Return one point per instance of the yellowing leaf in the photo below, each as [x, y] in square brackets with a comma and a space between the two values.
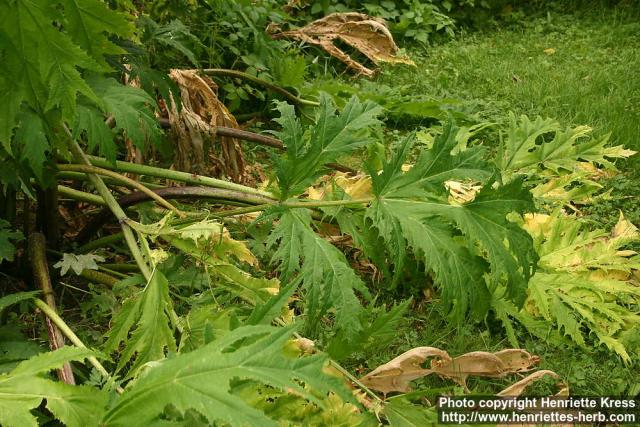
[563, 164]
[624, 231]
[212, 235]
[355, 186]
[462, 192]
[585, 282]
[254, 290]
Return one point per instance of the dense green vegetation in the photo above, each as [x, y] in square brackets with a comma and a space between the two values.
[482, 199]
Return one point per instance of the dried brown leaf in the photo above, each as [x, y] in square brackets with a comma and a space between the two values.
[517, 359]
[518, 388]
[364, 33]
[477, 363]
[399, 372]
[195, 127]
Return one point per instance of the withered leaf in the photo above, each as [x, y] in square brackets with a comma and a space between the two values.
[518, 388]
[368, 35]
[195, 126]
[399, 372]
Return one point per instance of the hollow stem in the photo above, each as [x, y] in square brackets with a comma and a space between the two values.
[111, 202]
[99, 243]
[88, 169]
[81, 196]
[38, 260]
[221, 195]
[67, 332]
[99, 277]
[294, 205]
[175, 176]
[79, 176]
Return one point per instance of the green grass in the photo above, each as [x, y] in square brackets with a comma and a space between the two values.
[592, 77]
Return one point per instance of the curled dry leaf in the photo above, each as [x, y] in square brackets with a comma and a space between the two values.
[484, 364]
[518, 388]
[399, 372]
[305, 345]
[195, 128]
[368, 35]
[515, 390]
[477, 363]
[517, 359]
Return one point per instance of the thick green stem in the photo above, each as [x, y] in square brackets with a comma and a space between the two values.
[221, 195]
[240, 75]
[111, 202]
[78, 176]
[99, 243]
[117, 274]
[67, 332]
[119, 267]
[81, 196]
[295, 205]
[88, 169]
[175, 176]
[99, 277]
[327, 203]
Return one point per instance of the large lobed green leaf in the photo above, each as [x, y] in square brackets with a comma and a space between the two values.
[48, 49]
[331, 136]
[328, 279]
[89, 21]
[201, 380]
[24, 388]
[147, 317]
[459, 243]
[132, 109]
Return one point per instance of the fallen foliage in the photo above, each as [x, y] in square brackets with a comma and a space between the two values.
[368, 35]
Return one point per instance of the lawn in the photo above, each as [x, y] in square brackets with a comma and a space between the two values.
[579, 68]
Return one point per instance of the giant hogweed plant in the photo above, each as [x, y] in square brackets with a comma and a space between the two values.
[168, 355]
[149, 326]
[175, 355]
